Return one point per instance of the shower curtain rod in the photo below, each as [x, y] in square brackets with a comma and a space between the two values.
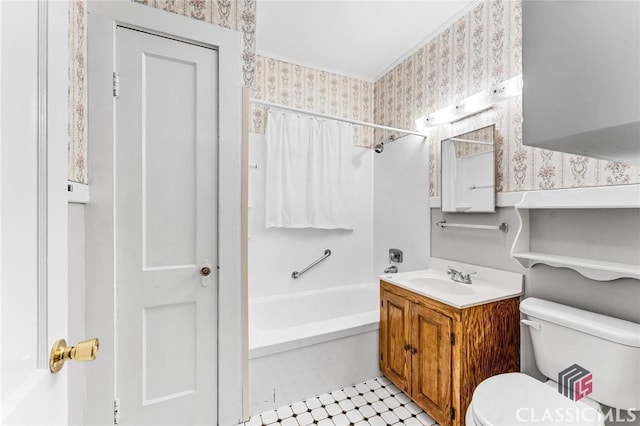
[331, 117]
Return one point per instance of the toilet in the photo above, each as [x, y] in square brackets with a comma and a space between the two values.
[569, 344]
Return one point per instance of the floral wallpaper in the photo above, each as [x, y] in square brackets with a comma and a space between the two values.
[465, 148]
[239, 15]
[77, 93]
[481, 49]
[308, 88]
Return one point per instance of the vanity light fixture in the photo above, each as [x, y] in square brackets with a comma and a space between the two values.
[473, 104]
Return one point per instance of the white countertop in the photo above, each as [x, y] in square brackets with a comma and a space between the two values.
[488, 285]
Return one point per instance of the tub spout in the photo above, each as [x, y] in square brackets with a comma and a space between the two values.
[391, 269]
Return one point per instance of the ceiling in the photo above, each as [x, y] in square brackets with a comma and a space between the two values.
[358, 38]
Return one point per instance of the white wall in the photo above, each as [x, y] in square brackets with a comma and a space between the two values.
[77, 285]
[595, 234]
[275, 253]
[401, 204]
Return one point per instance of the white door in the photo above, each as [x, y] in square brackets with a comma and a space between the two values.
[166, 232]
[33, 211]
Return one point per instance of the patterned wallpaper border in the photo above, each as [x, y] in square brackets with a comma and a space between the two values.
[77, 131]
[239, 15]
[308, 88]
[482, 48]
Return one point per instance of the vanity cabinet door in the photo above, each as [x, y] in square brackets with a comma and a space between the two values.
[395, 338]
[431, 362]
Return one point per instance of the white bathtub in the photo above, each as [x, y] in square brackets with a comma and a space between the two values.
[308, 343]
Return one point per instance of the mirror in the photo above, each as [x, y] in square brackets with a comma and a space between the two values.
[468, 172]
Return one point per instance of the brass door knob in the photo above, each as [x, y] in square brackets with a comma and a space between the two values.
[205, 271]
[83, 351]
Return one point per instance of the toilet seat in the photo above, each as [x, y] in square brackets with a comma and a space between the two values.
[517, 399]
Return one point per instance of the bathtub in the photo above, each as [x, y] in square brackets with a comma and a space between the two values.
[312, 342]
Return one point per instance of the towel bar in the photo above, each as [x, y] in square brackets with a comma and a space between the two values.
[504, 227]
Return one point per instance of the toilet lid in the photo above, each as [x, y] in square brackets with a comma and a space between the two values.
[517, 399]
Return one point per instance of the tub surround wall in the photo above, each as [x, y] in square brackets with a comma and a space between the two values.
[401, 204]
[391, 206]
[274, 253]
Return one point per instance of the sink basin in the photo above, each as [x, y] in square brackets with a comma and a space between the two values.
[449, 287]
[489, 285]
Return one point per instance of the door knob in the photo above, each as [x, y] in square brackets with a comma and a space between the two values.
[205, 272]
[83, 351]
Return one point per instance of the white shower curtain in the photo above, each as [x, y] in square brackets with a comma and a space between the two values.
[449, 172]
[309, 172]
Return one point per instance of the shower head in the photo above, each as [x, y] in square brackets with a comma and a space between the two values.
[380, 147]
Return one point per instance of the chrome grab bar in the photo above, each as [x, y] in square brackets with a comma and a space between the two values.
[296, 274]
[504, 227]
[474, 186]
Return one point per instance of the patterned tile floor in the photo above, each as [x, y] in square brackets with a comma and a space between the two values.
[375, 402]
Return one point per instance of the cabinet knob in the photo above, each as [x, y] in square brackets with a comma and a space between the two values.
[414, 351]
[407, 347]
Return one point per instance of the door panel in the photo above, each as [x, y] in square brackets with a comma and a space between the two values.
[431, 362]
[166, 208]
[169, 168]
[165, 327]
[33, 211]
[394, 337]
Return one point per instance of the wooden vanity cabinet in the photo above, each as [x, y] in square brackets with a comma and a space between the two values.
[438, 354]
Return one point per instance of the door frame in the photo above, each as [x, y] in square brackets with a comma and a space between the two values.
[103, 19]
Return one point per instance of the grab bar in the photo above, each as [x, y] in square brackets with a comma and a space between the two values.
[296, 274]
[504, 227]
[473, 186]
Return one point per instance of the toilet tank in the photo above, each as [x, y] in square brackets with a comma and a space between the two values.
[607, 347]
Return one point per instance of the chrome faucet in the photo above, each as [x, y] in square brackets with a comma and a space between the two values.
[391, 269]
[395, 256]
[458, 276]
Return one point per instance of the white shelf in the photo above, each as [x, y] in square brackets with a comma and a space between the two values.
[594, 269]
[614, 197]
[601, 197]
